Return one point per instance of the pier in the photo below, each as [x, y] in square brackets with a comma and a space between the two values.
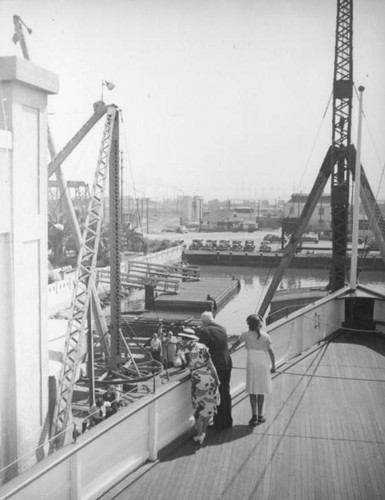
[195, 296]
[270, 260]
[185, 307]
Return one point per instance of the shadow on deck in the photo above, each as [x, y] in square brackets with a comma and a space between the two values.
[324, 437]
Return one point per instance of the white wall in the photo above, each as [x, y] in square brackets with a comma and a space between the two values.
[23, 254]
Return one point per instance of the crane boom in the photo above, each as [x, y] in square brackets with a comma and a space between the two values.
[84, 282]
[100, 110]
[19, 35]
[55, 166]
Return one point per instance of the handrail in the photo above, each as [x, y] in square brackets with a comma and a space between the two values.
[61, 455]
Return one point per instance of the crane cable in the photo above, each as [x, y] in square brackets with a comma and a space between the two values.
[311, 153]
[293, 201]
[376, 196]
[134, 187]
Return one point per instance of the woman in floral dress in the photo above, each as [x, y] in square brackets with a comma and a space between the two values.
[204, 381]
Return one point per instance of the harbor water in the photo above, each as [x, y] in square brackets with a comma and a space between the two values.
[255, 282]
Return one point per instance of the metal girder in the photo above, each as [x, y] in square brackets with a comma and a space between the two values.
[84, 282]
[341, 138]
[100, 110]
[295, 239]
[115, 245]
[19, 35]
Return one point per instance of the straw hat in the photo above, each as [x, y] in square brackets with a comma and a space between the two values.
[188, 334]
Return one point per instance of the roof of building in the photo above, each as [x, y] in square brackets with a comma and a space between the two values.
[224, 215]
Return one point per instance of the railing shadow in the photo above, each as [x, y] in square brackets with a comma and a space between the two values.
[371, 339]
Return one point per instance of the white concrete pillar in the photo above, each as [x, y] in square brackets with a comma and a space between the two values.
[23, 260]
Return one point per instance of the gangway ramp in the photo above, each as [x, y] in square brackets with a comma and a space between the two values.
[183, 272]
[164, 279]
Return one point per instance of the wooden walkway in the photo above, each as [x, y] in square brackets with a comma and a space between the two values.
[324, 438]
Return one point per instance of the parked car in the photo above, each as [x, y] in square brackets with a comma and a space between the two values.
[372, 244]
[224, 245]
[237, 246]
[210, 245]
[196, 245]
[182, 229]
[170, 229]
[272, 238]
[359, 240]
[310, 238]
[264, 247]
[249, 246]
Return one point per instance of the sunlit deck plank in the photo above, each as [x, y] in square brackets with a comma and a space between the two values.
[324, 438]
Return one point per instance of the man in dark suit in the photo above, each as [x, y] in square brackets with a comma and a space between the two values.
[214, 336]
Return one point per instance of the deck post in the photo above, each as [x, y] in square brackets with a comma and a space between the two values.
[75, 477]
[153, 432]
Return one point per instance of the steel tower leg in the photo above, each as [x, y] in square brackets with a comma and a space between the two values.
[341, 138]
[291, 247]
[85, 279]
[115, 247]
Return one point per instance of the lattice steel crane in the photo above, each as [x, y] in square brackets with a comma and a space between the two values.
[84, 282]
[85, 296]
[54, 167]
[338, 164]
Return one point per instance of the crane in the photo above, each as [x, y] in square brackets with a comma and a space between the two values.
[54, 167]
[85, 297]
[338, 165]
[85, 279]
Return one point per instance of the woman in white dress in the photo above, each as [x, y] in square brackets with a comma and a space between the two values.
[258, 378]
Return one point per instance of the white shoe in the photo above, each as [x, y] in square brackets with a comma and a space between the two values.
[200, 439]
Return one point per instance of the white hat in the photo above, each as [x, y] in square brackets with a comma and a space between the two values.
[188, 334]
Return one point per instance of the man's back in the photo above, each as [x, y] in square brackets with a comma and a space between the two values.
[215, 337]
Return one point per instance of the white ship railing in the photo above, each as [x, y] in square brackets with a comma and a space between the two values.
[116, 447]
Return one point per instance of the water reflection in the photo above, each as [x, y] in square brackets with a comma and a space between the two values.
[254, 284]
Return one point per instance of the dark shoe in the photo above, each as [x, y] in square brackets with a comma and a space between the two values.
[261, 419]
[253, 421]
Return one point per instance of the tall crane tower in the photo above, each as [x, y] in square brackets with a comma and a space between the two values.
[341, 161]
[338, 165]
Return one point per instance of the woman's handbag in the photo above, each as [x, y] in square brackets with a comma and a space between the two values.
[178, 361]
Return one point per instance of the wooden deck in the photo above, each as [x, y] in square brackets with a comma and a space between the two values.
[324, 437]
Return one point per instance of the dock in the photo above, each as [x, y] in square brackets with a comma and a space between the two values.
[317, 260]
[185, 307]
[199, 296]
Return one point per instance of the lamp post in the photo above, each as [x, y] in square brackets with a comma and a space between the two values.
[109, 86]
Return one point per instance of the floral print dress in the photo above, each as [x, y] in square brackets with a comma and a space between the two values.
[204, 388]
